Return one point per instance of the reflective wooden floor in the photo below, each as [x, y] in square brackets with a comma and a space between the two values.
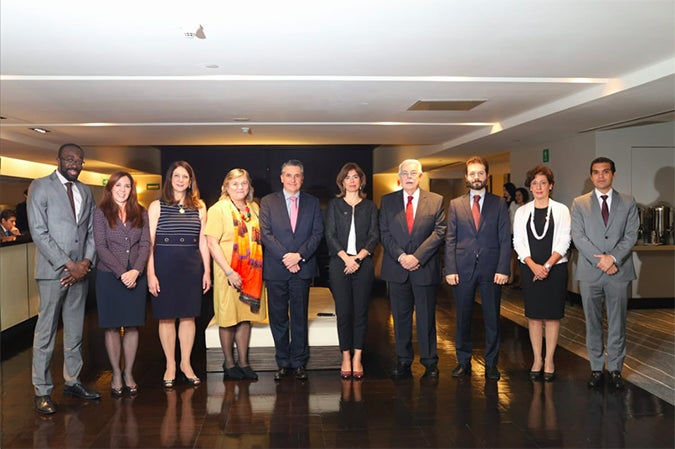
[325, 411]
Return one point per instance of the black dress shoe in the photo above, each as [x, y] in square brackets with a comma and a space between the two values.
[596, 379]
[492, 373]
[281, 373]
[462, 370]
[44, 405]
[401, 371]
[300, 373]
[549, 377]
[615, 380]
[79, 391]
[431, 372]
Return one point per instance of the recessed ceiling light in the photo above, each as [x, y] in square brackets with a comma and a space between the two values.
[211, 66]
[39, 130]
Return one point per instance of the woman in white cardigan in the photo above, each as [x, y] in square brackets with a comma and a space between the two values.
[541, 237]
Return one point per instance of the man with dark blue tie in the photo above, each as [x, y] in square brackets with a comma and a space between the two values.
[8, 225]
[291, 228]
[477, 255]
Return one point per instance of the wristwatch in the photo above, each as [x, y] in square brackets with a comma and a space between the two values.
[358, 260]
[547, 266]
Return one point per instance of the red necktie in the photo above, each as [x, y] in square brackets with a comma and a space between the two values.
[475, 211]
[605, 209]
[294, 211]
[69, 187]
[409, 214]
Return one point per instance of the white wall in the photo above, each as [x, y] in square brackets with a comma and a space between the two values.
[569, 159]
[644, 158]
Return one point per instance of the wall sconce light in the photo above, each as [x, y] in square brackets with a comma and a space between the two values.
[246, 130]
[39, 130]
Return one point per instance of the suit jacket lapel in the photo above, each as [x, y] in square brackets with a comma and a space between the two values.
[596, 212]
[400, 212]
[61, 193]
[616, 205]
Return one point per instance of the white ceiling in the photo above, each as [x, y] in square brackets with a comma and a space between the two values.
[123, 73]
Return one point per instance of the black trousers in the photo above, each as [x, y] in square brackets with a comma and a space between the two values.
[287, 304]
[351, 293]
[405, 298]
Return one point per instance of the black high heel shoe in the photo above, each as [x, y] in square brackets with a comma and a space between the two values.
[549, 377]
[168, 383]
[116, 392]
[192, 381]
[536, 375]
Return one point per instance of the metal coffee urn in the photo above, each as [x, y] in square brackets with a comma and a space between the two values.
[662, 225]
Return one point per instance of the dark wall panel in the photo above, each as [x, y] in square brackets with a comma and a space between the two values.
[321, 162]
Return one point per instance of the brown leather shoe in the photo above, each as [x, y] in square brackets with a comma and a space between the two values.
[44, 405]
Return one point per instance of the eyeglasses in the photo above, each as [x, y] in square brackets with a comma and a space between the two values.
[412, 174]
[73, 161]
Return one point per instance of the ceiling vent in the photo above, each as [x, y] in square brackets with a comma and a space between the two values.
[445, 105]
[661, 117]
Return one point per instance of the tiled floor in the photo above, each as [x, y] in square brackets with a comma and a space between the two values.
[325, 411]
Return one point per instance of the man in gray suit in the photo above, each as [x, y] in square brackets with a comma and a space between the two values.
[604, 229]
[60, 212]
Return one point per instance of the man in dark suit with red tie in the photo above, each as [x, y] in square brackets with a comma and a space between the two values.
[412, 228]
[477, 252]
[291, 228]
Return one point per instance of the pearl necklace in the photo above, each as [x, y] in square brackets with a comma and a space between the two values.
[534, 231]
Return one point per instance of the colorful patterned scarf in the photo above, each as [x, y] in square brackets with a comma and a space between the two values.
[247, 257]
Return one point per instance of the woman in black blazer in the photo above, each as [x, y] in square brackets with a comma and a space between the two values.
[352, 232]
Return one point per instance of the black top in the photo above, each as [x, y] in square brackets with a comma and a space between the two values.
[339, 221]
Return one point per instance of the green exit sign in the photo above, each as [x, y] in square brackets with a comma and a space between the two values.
[544, 155]
[105, 181]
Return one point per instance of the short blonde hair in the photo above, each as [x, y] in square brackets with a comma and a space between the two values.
[233, 174]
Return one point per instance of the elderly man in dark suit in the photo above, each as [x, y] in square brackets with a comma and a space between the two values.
[477, 254]
[291, 228]
[604, 229]
[412, 227]
[60, 212]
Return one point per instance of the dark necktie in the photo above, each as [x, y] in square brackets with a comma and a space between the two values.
[409, 214]
[605, 209]
[69, 187]
[475, 211]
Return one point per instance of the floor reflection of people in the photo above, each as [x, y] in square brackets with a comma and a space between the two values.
[124, 427]
[237, 420]
[289, 424]
[172, 428]
[70, 432]
[352, 408]
[542, 418]
[605, 420]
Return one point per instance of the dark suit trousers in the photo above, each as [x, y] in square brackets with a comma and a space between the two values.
[406, 298]
[289, 299]
[491, 295]
[351, 293]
